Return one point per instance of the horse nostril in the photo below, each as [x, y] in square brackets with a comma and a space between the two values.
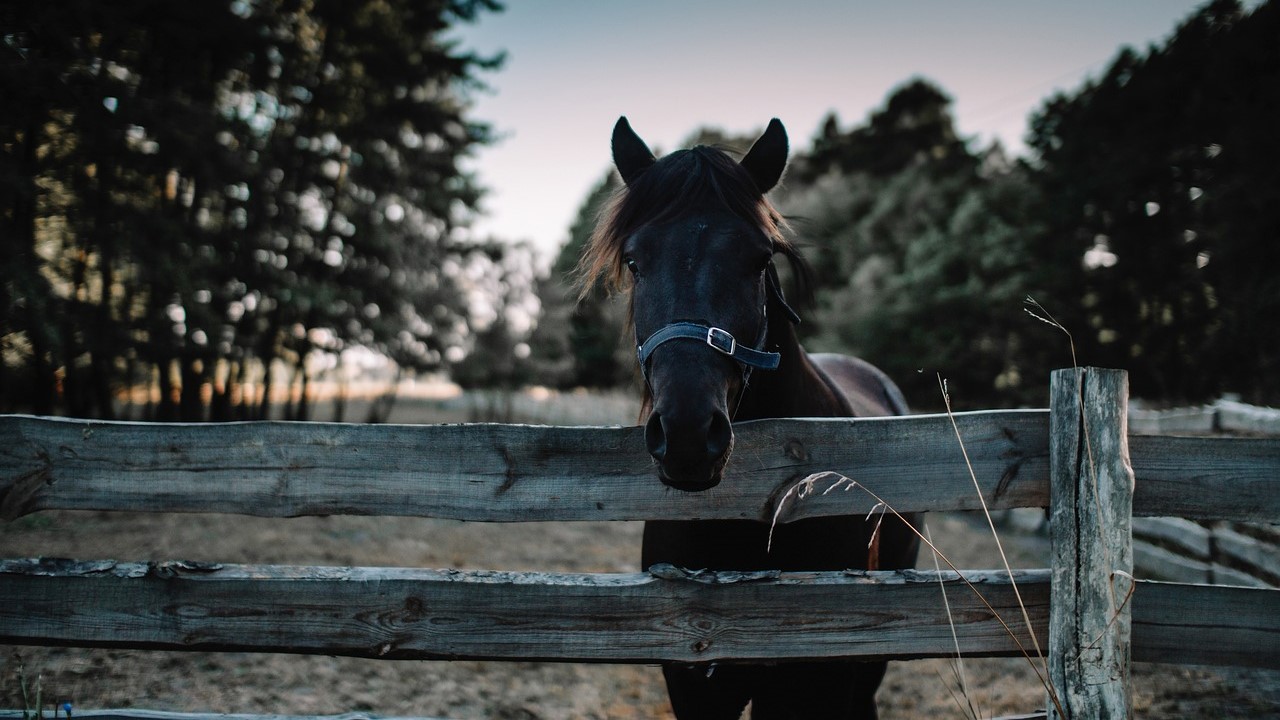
[655, 438]
[719, 436]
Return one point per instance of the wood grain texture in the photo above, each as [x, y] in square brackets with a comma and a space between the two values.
[1154, 562]
[400, 613]
[1182, 536]
[403, 613]
[633, 617]
[1090, 539]
[1207, 478]
[136, 714]
[505, 473]
[1255, 556]
[1206, 624]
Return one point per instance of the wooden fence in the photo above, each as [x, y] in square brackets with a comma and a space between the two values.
[1207, 551]
[1217, 552]
[1075, 458]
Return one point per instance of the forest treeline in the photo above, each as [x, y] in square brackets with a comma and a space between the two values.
[209, 202]
[1145, 220]
[198, 198]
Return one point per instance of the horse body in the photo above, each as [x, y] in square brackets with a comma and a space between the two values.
[697, 238]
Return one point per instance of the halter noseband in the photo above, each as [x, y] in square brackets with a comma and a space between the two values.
[721, 339]
[716, 337]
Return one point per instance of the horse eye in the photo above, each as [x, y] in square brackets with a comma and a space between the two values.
[633, 267]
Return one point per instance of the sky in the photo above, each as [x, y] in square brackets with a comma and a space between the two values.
[672, 66]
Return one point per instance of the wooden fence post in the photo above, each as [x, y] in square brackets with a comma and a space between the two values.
[1091, 543]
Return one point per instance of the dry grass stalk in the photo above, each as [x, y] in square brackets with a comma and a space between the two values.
[807, 486]
[957, 666]
[986, 512]
[1033, 308]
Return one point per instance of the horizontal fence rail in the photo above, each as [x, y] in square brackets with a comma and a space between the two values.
[1206, 624]
[402, 613]
[1171, 548]
[134, 714]
[501, 473]
[667, 614]
[1206, 478]
[508, 473]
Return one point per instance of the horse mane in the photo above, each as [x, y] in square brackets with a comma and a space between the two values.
[685, 181]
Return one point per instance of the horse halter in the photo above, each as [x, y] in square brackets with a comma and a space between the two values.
[720, 339]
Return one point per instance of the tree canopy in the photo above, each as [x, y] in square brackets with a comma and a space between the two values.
[1164, 175]
[1145, 218]
[921, 249]
[194, 192]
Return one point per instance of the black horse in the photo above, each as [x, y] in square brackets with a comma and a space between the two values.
[693, 238]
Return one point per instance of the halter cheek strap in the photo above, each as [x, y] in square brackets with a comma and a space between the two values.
[775, 290]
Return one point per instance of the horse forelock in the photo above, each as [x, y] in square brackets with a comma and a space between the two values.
[687, 181]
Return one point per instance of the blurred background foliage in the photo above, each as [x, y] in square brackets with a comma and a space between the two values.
[1146, 219]
[199, 207]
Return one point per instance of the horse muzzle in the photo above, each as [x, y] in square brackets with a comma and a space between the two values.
[690, 452]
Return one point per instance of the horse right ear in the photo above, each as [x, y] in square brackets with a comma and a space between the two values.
[767, 158]
[630, 155]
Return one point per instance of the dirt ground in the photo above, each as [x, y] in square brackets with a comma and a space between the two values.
[306, 685]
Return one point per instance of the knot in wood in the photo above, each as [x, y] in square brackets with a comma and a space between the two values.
[413, 608]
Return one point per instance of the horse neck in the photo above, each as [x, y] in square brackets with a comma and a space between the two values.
[797, 388]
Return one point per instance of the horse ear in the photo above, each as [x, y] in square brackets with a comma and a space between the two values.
[767, 158]
[630, 155]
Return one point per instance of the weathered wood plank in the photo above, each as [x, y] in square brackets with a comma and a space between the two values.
[1240, 417]
[1163, 422]
[401, 613]
[509, 472]
[1181, 536]
[1090, 540]
[1152, 562]
[1220, 574]
[1268, 533]
[514, 472]
[136, 714]
[1251, 555]
[1206, 624]
[1207, 478]
[361, 611]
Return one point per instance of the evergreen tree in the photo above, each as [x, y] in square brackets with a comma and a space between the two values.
[1163, 200]
[593, 327]
[920, 248]
[196, 192]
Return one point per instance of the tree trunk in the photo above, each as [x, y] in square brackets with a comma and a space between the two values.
[167, 410]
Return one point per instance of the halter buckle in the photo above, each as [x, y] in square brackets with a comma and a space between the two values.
[722, 341]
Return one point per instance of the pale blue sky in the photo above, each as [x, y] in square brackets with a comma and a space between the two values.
[672, 66]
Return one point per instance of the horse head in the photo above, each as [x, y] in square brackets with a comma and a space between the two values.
[693, 238]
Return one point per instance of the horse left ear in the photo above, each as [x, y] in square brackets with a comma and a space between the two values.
[767, 158]
[630, 155]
